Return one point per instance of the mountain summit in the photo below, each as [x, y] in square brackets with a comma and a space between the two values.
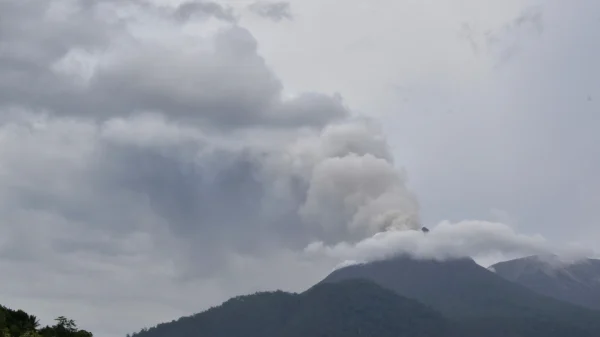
[469, 293]
[576, 282]
[457, 288]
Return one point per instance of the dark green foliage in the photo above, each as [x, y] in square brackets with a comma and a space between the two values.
[64, 327]
[348, 309]
[17, 323]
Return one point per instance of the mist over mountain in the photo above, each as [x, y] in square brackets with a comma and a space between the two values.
[575, 281]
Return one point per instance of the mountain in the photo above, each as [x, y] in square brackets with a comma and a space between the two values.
[576, 282]
[347, 309]
[468, 293]
[400, 297]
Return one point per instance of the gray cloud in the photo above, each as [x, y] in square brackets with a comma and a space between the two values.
[276, 11]
[123, 65]
[113, 154]
[94, 198]
[190, 10]
[117, 202]
[504, 42]
[482, 240]
[148, 152]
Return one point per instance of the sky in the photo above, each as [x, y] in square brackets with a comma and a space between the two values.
[158, 157]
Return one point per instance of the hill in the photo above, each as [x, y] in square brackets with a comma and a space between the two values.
[576, 282]
[350, 308]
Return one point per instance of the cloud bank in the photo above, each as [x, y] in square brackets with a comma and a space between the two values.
[481, 240]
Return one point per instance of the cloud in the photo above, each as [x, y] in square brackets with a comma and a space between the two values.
[219, 195]
[504, 42]
[276, 11]
[193, 9]
[124, 62]
[480, 240]
[148, 148]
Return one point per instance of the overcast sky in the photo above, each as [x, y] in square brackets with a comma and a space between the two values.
[158, 157]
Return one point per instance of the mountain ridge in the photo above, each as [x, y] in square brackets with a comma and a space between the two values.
[401, 296]
[351, 308]
[573, 281]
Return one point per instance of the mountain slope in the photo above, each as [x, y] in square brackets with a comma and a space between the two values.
[471, 294]
[362, 308]
[347, 309]
[577, 283]
[366, 300]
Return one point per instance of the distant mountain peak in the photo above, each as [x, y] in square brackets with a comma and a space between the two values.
[568, 279]
[550, 265]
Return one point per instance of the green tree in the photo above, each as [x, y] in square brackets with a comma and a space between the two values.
[66, 324]
[31, 333]
[18, 323]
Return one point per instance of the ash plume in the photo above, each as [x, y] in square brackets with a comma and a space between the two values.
[181, 134]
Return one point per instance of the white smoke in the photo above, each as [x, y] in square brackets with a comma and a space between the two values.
[352, 190]
[226, 162]
[481, 240]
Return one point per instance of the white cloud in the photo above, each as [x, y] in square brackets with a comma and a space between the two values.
[481, 240]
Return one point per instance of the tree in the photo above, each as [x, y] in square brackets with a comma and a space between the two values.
[18, 323]
[32, 323]
[64, 327]
[31, 333]
[66, 324]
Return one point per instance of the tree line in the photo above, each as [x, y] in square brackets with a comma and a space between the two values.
[18, 323]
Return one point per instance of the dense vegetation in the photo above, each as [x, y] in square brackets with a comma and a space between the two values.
[18, 323]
